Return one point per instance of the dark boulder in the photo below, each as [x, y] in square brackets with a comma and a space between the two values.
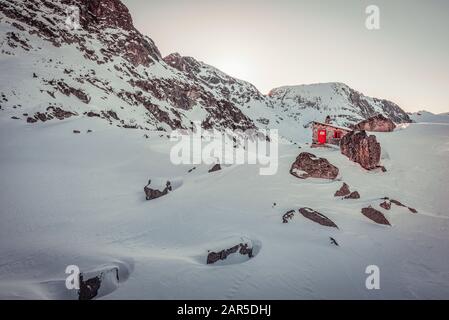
[216, 167]
[288, 216]
[353, 195]
[361, 148]
[398, 203]
[386, 205]
[153, 193]
[89, 288]
[317, 217]
[307, 165]
[241, 248]
[375, 215]
[343, 191]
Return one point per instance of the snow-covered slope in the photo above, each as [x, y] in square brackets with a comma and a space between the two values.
[77, 199]
[107, 69]
[426, 116]
[345, 106]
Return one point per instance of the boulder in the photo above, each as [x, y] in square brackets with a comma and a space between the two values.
[242, 248]
[361, 148]
[377, 123]
[307, 165]
[89, 288]
[317, 217]
[398, 203]
[154, 192]
[343, 191]
[353, 195]
[216, 167]
[288, 216]
[375, 215]
[386, 205]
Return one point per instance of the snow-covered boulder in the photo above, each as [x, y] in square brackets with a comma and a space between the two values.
[307, 165]
[361, 148]
[156, 189]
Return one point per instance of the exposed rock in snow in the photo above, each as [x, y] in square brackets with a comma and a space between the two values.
[361, 148]
[51, 113]
[307, 165]
[241, 248]
[89, 288]
[353, 195]
[375, 215]
[156, 191]
[288, 216]
[99, 282]
[398, 203]
[317, 217]
[343, 191]
[333, 241]
[386, 205]
[215, 167]
[377, 123]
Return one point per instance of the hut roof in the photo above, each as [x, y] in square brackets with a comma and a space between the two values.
[332, 125]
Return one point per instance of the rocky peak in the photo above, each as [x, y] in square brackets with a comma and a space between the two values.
[110, 13]
[183, 64]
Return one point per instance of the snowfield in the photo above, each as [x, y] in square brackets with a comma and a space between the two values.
[77, 199]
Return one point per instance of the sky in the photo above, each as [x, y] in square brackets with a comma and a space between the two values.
[272, 43]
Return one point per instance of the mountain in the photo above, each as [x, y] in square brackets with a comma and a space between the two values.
[106, 68]
[426, 116]
[346, 106]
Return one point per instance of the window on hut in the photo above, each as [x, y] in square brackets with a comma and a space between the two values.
[337, 134]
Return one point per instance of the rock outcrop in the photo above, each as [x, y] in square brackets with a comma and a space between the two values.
[387, 204]
[377, 123]
[346, 193]
[288, 216]
[241, 248]
[361, 148]
[89, 288]
[375, 215]
[317, 217]
[155, 192]
[307, 165]
[353, 195]
[215, 167]
[343, 191]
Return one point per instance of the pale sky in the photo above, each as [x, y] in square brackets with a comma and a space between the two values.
[273, 43]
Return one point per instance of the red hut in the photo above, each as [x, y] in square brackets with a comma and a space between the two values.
[326, 133]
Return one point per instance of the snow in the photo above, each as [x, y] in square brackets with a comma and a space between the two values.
[77, 199]
[426, 116]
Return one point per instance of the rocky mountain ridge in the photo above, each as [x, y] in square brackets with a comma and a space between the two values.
[105, 68]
